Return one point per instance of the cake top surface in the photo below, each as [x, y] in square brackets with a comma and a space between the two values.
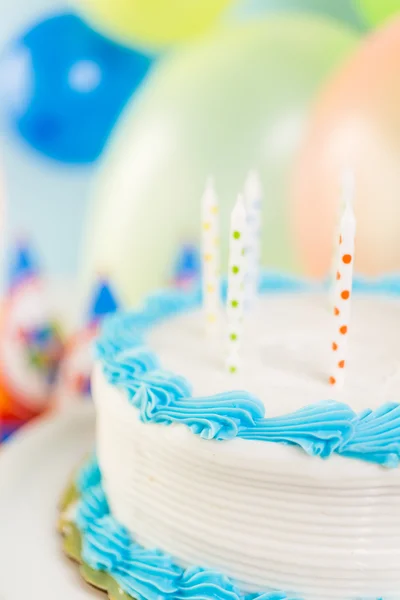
[286, 355]
[159, 359]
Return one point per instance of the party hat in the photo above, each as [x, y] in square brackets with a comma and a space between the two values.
[103, 302]
[23, 264]
[187, 265]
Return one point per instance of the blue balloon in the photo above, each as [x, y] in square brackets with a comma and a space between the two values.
[64, 86]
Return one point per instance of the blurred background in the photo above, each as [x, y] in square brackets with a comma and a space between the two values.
[113, 113]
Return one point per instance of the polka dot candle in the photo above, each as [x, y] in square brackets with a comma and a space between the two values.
[347, 195]
[342, 295]
[253, 197]
[236, 283]
[211, 258]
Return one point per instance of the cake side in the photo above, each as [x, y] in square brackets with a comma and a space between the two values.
[112, 561]
[263, 514]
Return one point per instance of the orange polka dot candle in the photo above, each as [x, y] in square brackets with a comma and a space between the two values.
[347, 195]
[343, 284]
[236, 282]
[211, 258]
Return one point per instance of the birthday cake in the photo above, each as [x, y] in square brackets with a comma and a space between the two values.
[267, 470]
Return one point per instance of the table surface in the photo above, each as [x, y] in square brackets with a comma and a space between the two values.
[34, 469]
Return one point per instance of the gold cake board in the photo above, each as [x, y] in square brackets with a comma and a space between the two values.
[72, 546]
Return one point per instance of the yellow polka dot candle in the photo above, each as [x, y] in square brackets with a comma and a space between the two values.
[343, 295]
[253, 198]
[236, 283]
[211, 258]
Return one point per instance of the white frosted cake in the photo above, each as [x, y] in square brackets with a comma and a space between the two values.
[267, 483]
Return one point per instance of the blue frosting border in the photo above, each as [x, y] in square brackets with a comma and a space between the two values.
[143, 573]
[321, 429]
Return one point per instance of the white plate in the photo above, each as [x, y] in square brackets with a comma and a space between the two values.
[34, 469]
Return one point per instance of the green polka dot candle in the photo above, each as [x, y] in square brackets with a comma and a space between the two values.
[236, 283]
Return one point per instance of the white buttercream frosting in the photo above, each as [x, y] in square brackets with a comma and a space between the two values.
[287, 356]
[265, 514]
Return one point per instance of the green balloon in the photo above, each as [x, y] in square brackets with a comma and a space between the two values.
[377, 11]
[236, 101]
[342, 10]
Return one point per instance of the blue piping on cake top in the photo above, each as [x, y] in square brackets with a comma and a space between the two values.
[321, 429]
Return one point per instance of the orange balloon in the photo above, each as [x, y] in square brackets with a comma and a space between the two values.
[355, 125]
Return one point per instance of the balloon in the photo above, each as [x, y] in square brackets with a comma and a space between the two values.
[65, 85]
[152, 23]
[237, 101]
[356, 125]
[376, 12]
[342, 10]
